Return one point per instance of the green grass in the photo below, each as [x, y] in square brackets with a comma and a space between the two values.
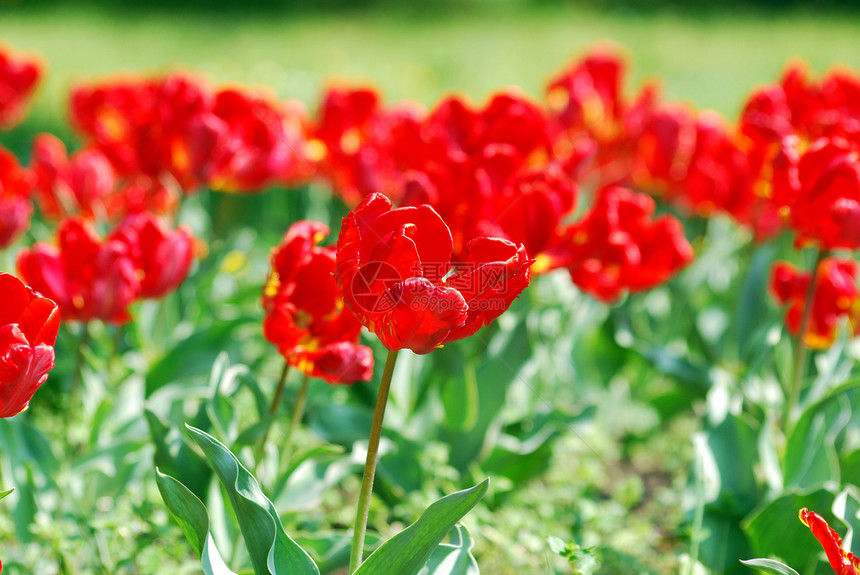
[710, 61]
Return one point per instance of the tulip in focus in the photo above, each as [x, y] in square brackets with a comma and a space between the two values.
[395, 273]
[843, 562]
[305, 315]
[28, 330]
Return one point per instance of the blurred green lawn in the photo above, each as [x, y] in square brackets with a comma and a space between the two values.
[712, 61]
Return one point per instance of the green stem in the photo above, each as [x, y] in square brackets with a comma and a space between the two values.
[298, 411]
[273, 409]
[800, 352]
[83, 341]
[357, 552]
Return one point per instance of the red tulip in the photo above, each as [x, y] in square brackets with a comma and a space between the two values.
[88, 278]
[353, 143]
[72, 185]
[766, 116]
[162, 257]
[177, 126]
[617, 246]
[305, 317]
[395, 273]
[18, 78]
[587, 96]
[836, 297]
[28, 330]
[531, 208]
[15, 205]
[843, 562]
[827, 210]
[718, 176]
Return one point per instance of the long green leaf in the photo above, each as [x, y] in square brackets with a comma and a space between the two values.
[271, 549]
[454, 557]
[193, 519]
[407, 552]
[770, 566]
[5, 493]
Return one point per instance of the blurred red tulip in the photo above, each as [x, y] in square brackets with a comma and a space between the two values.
[618, 246]
[305, 316]
[843, 562]
[162, 257]
[827, 210]
[175, 128]
[18, 78]
[16, 208]
[836, 297]
[72, 185]
[88, 278]
[28, 330]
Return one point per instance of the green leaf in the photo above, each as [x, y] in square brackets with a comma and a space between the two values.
[732, 445]
[175, 457]
[751, 315]
[507, 355]
[194, 355]
[459, 389]
[407, 552]
[331, 550]
[846, 507]
[193, 519]
[271, 549]
[770, 566]
[810, 454]
[773, 528]
[695, 376]
[5, 493]
[454, 557]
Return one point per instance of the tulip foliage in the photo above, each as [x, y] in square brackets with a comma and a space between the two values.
[533, 265]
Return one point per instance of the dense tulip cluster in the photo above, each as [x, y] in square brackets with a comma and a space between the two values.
[28, 330]
[86, 183]
[176, 128]
[512, 169]
[489, 171]
[843, 562]
[91, 278]
[806, 136]
[305, 317]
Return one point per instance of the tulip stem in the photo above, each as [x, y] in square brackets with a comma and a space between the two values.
[357, 551]
[78, 376]
[273, 409]
[298, 411]
[800, 351]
